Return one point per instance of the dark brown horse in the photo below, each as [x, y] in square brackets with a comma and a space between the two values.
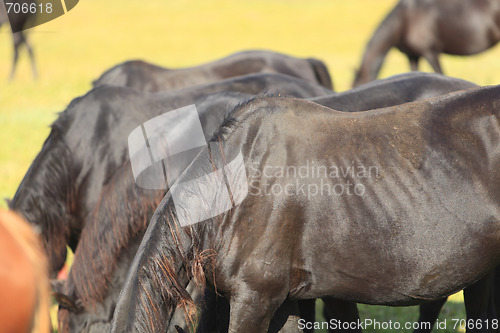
[103, 253]
[143, 76]
[88, 142]
[429, 27]
[121, 216]
[24, 283]
[63, 189]
[368, 219]
[17, 22]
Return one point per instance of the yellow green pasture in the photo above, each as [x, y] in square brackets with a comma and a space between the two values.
[76, 48]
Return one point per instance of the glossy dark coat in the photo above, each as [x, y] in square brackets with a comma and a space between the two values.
[88, 143]
[75, 184]
[438, 161]
[98, 261]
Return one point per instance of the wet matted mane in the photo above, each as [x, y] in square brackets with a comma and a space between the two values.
[51, 195]
[122, 211]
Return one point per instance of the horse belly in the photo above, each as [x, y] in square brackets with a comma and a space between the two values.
[407, 239]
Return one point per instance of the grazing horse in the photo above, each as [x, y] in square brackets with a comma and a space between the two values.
[24, 283]
[119, 201]
[143, 76]
[63, 188]
[88, 142]
[429, 27]
[380, 195]
[17, 22]
[103, 254]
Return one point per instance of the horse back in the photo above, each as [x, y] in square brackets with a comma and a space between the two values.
[386, 188]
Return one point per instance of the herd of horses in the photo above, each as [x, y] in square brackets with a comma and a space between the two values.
[426, 225]
[255, 268]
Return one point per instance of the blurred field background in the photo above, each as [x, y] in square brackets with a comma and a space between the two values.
[76, 48]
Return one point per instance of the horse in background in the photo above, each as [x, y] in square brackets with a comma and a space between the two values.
[144, 76]
[429, 27]
[17, 22]
[24, 284]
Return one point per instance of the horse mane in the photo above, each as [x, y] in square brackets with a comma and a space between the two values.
[46, 196]
[244, 110]
[153, 279]
[122, 212]
[30, 244]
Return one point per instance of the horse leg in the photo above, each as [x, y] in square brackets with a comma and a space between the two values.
[433, 59]
[413, 62]
[208, 312]
[307, 310]
[496, 291]
[285, 319]
[251, 311]
[429, 313]
[341, 312]
[18, 41]
[477, 299]
[32, 56]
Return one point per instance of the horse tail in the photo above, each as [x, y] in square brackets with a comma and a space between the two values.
[31, 246]
[321, 73]
[158, 276]
[386, 36]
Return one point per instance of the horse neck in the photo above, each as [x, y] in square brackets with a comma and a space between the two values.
[385, 37]
[98, 311]
[121, 214]
[157, 277]
[46, 197]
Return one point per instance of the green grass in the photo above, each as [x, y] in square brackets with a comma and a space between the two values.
[76, 48]
[453, 309]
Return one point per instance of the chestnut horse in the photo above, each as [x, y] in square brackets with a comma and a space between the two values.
[426, 179]
[427, 28]
[24, 283]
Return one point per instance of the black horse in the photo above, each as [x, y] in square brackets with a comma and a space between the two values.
[63, 189]
[143, 76]
[17, 22]
[102, 255]
[88, 142]
[425, 172]
[428, 28]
